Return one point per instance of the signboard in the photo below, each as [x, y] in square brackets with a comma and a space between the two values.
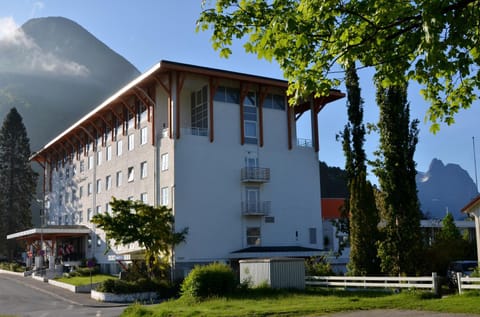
[125, 257]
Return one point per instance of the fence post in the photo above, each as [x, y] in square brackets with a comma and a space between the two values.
[459, 282]
[435, 284]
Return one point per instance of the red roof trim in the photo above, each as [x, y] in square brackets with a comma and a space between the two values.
[471, 204]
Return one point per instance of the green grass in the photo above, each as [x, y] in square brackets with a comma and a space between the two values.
[84, 280]
[308, 303]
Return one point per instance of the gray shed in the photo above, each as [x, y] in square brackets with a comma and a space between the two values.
[275, 272]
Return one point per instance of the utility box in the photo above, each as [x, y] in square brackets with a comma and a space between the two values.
[274, 272]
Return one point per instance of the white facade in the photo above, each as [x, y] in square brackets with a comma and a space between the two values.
[190, 132]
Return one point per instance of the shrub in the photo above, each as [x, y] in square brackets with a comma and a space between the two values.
[318, 266]
[211, 280]
[117, 286]
[84, 271]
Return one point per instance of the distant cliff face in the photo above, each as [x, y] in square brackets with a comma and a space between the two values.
[444, 187]
[54, 72]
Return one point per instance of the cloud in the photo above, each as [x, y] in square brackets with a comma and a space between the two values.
[36, 8]
[19, 53]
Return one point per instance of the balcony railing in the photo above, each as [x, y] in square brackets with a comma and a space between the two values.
[195, 131]
[304, 143]
[256, 208]
[255, 174]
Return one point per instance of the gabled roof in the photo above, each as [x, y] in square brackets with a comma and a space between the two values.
[150, 76]
[471, 204]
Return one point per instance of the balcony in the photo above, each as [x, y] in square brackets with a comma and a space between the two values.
[256, 208]
[255, 175]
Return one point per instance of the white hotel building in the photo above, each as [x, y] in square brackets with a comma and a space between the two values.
[218, 147]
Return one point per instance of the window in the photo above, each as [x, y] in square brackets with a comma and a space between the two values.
[131, 174]
[250, 119]
[67, 197]
[119, 147]
[119, 178]
[99, 158]
[143, 169]
[226, 94]
[80, 192]
[74, 170]
[99, 185]
[74, 195]
[67, 173]
[143, 136]
[274, 101]
[82, 166]
[108, 153]
[108, 208]
[164, 162]
[164, 197]
[99, 210]
[131, 142]
[89, 214]
[253, 236]
[312, 233]
[108, 182]
[199, 111]
[90, 162]
[144, 198]
[89, 189]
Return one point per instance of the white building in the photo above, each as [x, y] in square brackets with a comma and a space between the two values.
[218, 147]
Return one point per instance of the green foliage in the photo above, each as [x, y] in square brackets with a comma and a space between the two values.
[449, 230]
[134, 221]
[14, 267]
[334, 181]
[432, 42]
[400, 247]
[84, 271]
[215, 279]
[318, 266]
[362, 211]
[117, 286]
[448, 246]
[17, 182]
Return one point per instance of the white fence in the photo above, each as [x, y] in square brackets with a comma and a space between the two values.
[467, 283]
[426, 282]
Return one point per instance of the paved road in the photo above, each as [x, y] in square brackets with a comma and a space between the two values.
[20, 296]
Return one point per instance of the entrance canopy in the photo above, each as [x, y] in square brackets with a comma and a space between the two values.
[50, 233]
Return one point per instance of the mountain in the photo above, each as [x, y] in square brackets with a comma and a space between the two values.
[333, 181]
[54, 72]
[444, 188]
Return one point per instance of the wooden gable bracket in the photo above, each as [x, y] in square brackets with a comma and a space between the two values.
[213, 85]
[120, 118]
[81, 144]
[180, 81]
[109, 124]
[129, 108]
[263, 91]
[168, 89]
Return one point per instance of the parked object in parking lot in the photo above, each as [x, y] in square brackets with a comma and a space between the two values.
[466, 268]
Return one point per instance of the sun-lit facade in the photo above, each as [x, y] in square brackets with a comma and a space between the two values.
[218, 147]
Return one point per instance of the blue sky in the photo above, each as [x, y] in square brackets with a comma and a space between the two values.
[147, 31]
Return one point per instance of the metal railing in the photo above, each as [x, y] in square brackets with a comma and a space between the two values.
[256, 208]
[304, 143]
[195, 131]
[255, 174]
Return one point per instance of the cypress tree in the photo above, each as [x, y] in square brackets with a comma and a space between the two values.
[362, 210]
[401, 245]
[17, 181]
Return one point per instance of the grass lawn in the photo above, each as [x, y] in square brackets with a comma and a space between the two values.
[85, 280]
[309, 303]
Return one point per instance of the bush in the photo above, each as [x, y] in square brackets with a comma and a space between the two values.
[84, 271]
[117, 286]
[211, 280]
[318, 266]
[14, 267]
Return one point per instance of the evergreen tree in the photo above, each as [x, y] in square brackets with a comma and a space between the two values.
[401, 245]
[449, 230]
[361, 206]
[17, 181]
